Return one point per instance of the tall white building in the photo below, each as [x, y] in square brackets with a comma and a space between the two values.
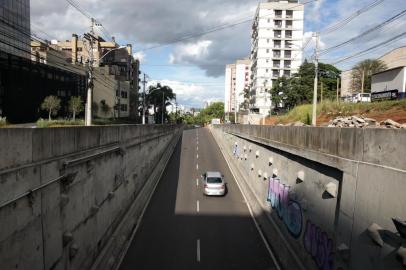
[237, 79]
[276, 48]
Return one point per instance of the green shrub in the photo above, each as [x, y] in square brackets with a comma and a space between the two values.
[42, 123]
[3, 121]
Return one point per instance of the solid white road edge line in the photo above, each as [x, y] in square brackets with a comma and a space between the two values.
[252, 214]
[198, 250]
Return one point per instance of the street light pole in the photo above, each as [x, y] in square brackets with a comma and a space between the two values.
[316, 75]
[89, 98]
[163, 107]
[143, 99]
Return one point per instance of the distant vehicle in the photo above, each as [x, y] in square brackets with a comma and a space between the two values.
[361, 97]
[196, 126]
[215, 121]
[214, 184]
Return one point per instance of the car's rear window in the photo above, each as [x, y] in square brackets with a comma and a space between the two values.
[214, 180]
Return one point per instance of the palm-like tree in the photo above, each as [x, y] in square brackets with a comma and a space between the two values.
[362, 73]
[160, 96]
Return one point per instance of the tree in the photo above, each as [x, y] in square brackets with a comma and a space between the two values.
[95, 108]
[75, 106]
[246, 94]
[105, 108]
[52, 104]
[160, 96]
[299, 89]
[362, 72]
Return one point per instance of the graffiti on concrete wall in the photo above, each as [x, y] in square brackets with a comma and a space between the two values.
[288, 210]
[319, 246]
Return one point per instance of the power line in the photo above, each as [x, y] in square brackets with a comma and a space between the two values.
[347, 20]
[369, 31]
[215, 29]
[90, 17]
[370, 49]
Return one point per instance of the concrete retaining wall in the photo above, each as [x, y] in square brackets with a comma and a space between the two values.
[70, 197]
[287, 173]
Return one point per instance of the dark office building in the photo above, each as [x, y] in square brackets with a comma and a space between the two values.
[15, 27]
[24, 85]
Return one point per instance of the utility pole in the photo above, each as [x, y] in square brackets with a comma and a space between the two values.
[316, 75]
[143, 99]
[321, 91]
[163, 107]
[89, 98]
[338, 87]
[363, 81]
[235, 106]
[176, 111]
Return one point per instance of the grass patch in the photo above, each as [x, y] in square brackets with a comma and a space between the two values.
[120, 121]
[42, 123]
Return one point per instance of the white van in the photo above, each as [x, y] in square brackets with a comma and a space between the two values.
[361, 97]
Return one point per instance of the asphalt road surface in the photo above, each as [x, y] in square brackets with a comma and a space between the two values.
[183, 229]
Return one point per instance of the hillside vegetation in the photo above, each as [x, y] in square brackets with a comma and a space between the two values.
[328, 110]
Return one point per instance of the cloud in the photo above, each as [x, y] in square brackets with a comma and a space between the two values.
[193, 94]
[147, 23]
[190, 52]
[141, 56]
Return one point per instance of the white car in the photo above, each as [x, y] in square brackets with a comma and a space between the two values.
[214, 184]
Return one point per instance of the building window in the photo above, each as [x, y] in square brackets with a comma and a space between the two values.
[277, 54]
[276, 63]
[287, 63]
[267, 50]
[124, 94]
[277, 33]
[289, 13]
[278, 24]
[288, 34]
[278, 13]
[277, 43]
[123, 107]
[288, 54]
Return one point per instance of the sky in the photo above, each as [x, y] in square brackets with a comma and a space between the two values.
[166, 35]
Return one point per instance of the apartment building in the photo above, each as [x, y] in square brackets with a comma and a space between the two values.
[276, 48]
[229, 94]
[237, 79]
[115, 72]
